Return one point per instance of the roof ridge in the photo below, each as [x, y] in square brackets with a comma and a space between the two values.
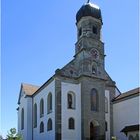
[132, 90]
[28, 84]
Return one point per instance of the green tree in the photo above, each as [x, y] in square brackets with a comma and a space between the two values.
[13, 135]
[1, 138]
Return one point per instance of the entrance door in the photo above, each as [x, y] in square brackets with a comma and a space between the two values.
[91, 131]
[94, 131]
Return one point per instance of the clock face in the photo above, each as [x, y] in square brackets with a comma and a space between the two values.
[94, 53]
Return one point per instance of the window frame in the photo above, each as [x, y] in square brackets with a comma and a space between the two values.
[79, 32]
[94, 29]
[35, 115]
[22, 118]
[41, 107]
[106, 105]
[94, 97]
[72, 104]
[41, 127]
[94, 69]
[106, 126]
[49, 103]
[49, 124]
[71, 123]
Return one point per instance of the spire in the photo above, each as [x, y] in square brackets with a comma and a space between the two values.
[88, 1]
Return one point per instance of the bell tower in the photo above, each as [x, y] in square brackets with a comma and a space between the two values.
[89, 48]
[89, 59]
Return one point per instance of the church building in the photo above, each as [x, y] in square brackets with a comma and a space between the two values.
[77, 102]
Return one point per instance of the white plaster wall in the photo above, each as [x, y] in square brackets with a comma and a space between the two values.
[18, 123]
[25, 103]
[74, 113]
[125, 113]
[29, 118]
[46, 135]
[107, 115]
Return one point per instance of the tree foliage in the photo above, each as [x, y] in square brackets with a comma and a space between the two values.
[1, 138]
[13, 135]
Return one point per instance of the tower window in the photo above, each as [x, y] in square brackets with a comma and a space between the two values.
[71, 72]
[71, 123]
[80, 32]
[49, 125]
[94, 30]
[94, 69]
[94, 99]
[105, 126]
[41, 127]
[106, 105]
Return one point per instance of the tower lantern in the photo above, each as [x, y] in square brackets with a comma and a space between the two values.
[89, 21]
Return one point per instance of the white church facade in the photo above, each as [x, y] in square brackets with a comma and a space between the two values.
[80, 101]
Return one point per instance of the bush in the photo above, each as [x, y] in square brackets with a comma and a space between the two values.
[113, 138]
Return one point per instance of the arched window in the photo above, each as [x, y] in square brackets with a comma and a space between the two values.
[49, 125]
[106, 126]
[35, 115]
[22, 118]
[94, 30]
[71, 100]
[41, 127]
[94, 69]
[94, 100]
[106, 105]
[41, 108]
[71, 123]
[80, 32]
[49, 103]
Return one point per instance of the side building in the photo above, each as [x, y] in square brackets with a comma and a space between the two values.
[126, 115]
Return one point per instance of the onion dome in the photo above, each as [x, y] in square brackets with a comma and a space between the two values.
[89, 9]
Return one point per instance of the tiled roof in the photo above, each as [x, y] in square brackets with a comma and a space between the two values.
[29, 89]
[130, 128]
[128, 94]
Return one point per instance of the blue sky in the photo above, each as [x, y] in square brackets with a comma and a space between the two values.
[38, 36]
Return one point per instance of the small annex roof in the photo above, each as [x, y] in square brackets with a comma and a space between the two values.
[29, 89]
[130, 128]
[129, 93]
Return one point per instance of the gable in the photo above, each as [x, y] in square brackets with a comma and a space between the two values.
[27, 90]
